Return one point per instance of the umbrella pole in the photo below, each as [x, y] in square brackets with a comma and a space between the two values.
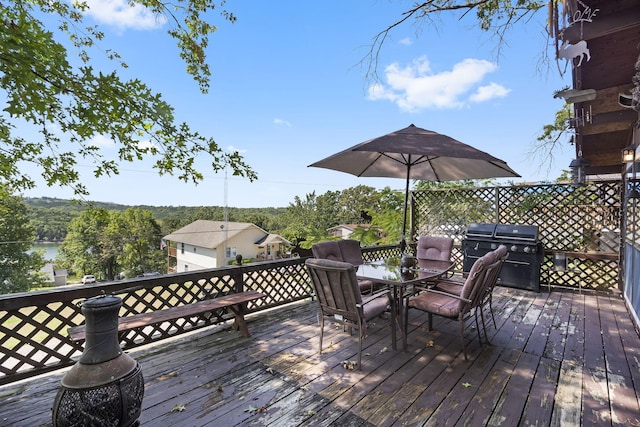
[403, 242]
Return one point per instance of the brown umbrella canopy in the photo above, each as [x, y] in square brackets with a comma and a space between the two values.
[423, 154]
[419, 154]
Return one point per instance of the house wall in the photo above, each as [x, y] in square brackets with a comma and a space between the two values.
[245, 243]
[198, 258]
[341, 232]
[632, 245]
[632, 281]
[59, 277]
[195, 258]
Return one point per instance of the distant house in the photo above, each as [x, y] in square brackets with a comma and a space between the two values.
[209, 244]
[344, 231]
[57, 277]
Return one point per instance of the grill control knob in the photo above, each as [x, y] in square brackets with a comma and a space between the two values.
[527, 249]
[514, 248]
[494, 246]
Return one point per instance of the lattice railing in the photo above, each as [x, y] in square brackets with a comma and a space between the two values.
[33, 325]
[571, 219]
[373, 253]
[583, 272]
[448, 212]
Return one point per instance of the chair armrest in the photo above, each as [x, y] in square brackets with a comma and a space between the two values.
[459, 275]
[368, 298]
[418, 288]
[448, 295]
[451, 282]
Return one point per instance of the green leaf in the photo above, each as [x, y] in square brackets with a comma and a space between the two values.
[45, 91]
[178, 407]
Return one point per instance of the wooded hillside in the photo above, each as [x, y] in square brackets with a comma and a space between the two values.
[51, 216]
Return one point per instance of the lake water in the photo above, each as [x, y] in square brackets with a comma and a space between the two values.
[50, 250]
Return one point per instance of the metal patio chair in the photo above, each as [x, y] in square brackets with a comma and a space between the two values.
[340, 300]
[345, 251]
[454, 285]
[456, 307]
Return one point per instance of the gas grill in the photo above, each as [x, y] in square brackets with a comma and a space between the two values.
[526, 254]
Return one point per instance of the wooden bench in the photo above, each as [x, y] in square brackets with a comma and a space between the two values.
[235, 302]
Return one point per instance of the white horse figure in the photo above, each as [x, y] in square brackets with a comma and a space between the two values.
[570, 51]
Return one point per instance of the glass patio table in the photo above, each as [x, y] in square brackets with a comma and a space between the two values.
[389, 272]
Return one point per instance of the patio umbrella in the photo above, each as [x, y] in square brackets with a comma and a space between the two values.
[419, 154]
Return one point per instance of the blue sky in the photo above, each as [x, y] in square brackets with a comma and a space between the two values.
[288, 89]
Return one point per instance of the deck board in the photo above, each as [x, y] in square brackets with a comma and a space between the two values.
[568, 407]
[511, 404]
[541, 397]
[555, 358]
[537, 341]
[595, 398]
[574, 345]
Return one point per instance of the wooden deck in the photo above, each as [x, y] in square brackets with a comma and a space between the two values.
[559, 358]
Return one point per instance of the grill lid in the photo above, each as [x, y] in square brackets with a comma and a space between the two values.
[477, 229]
[527, 233]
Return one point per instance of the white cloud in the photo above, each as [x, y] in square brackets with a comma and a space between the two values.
[234, 149]
[101, 141]
[280, 122]
[147, 143]
[416, 87]
[406, 41]
[492, 90]
[120, 14]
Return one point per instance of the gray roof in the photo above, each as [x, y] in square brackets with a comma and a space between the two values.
[209, 234]
[273, 239]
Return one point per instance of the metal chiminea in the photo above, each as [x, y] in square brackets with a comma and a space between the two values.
[105, 387]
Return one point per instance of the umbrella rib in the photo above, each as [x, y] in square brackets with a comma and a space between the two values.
[435, 172]
[502, 166]
[421, 159]
[371, 163]
[407, 161]
[393, 158]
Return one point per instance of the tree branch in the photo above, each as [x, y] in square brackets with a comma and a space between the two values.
[492, 16]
